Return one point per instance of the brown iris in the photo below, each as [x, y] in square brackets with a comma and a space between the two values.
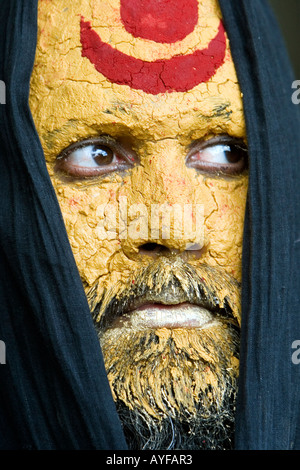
[102, 155]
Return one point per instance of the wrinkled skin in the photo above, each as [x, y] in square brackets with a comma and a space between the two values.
[184, 371]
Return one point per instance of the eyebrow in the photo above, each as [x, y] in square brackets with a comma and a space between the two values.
[50, 135]
[61, 137]
[221, 110]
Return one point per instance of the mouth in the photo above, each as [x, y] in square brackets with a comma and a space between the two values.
[170, 294]
[156, 315]
[170, 309]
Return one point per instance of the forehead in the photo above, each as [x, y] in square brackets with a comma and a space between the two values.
[135, 64]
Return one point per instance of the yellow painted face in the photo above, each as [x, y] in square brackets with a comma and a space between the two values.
[136, 116]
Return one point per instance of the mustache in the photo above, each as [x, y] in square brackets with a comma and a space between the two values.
[169, 281]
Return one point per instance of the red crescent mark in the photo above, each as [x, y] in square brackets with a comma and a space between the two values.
[180, 73]
[159, 20]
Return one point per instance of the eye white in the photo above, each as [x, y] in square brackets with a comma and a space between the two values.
[83, 157]
[215, 154]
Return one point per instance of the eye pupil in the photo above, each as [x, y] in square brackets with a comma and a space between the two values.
[233, 154]
[102, 155]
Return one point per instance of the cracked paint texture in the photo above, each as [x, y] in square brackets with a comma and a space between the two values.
[71, 101]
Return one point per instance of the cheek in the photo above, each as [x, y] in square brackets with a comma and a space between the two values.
[224, 226]
[88, 214]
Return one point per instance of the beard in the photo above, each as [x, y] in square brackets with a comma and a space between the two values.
[174, 387]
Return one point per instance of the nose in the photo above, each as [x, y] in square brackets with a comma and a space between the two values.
[161, 231]
[163, 199]
[171, 219]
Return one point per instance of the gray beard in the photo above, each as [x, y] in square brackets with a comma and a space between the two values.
[174, 389]
[160, 405]
[213, 432]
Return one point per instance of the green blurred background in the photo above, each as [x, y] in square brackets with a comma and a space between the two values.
[288, 16]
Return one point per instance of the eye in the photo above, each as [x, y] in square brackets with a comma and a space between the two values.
[219, 155]
[94, 157]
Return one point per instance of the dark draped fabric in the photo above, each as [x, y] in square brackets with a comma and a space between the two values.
[54, 392]
[268, 402]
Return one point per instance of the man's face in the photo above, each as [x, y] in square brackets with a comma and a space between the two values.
[139, 113]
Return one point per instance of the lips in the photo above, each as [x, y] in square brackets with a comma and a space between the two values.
[169, 309]
[184, 315]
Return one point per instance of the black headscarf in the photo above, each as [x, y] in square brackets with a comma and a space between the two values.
[268, 402]
[54, 392]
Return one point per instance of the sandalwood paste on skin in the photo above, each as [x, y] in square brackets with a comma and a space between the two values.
[71, 101]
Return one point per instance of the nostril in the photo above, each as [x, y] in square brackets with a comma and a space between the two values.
[153, 249]
[149, 246]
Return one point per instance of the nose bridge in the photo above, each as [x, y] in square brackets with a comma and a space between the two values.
[165, 170]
